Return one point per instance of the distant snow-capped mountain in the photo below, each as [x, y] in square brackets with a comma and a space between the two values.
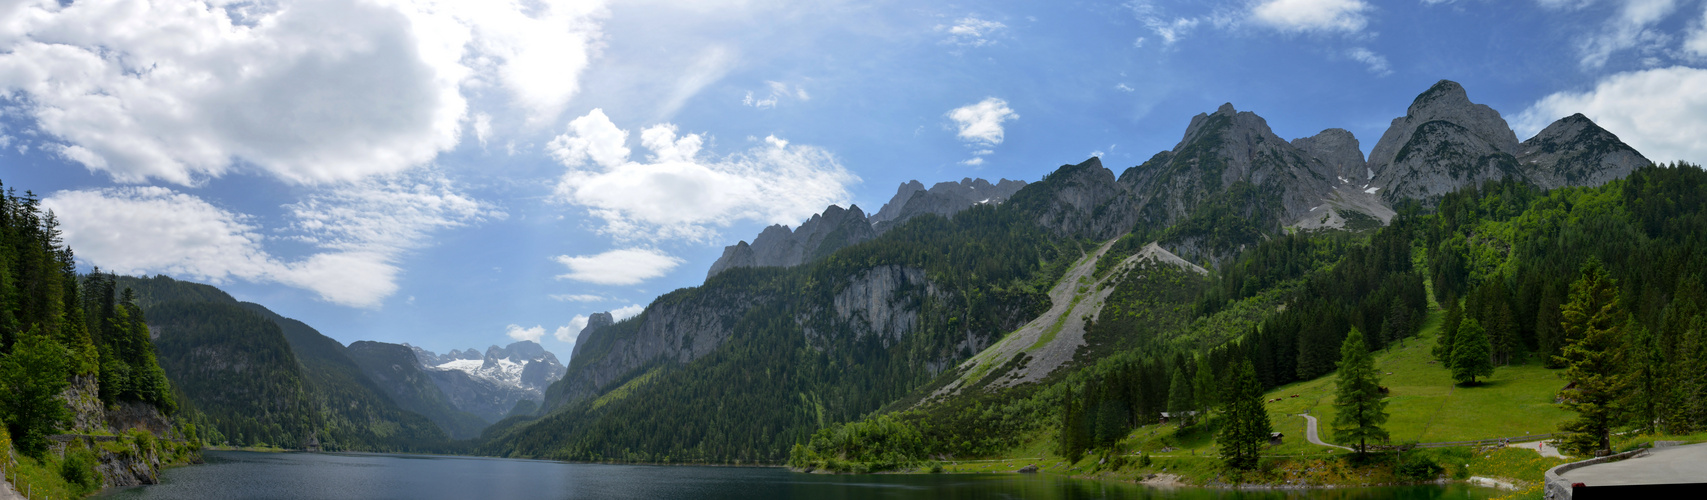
[490, 384]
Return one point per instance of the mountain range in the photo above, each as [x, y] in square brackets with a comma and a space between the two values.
[988, 286]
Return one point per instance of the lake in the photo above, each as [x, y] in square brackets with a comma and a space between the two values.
[251, 475]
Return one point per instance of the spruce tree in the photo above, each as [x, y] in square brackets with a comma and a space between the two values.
[1470, 353]
[1181, 401]
[1549, 335]
[31, 378]
[1448, 331]
[1594, 361]
[1360, 408]
[1205, 390]
[1244, 422]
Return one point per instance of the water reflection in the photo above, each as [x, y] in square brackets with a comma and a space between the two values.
[245, 475]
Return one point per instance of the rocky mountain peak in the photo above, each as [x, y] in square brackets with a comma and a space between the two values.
[778, 246]
[600, 320]
[1339, 150]
[1444, 93]
[1443, 142]
[1576, 151]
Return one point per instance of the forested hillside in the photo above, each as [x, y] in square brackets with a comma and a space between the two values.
[266, 380]
[1304, 251]
[1610, 273]
[73, 348]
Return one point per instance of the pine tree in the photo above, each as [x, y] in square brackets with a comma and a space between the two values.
[1448, 331]
[1548, 333]
[1361, 410]
[1594, 361]
[1244, 423]
[1470, 353]
[1206, 392]
[1181, 402]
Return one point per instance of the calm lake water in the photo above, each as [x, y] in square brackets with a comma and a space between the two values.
[242, 475]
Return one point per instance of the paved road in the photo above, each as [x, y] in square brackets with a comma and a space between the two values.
[1310, 433]
[1672, 465]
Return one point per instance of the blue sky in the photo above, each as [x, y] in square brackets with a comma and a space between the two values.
[464, 173]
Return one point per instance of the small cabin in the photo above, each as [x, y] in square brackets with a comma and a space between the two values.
[1274, 438]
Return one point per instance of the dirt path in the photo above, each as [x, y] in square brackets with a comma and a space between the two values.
[1545, 448]
[1310, 433]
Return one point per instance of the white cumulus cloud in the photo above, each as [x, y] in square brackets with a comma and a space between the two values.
[626, 266]
[518, 332]
[980, 123]
[568, 333]
[1661, 112]
[680, 192]
[581, 297]
[630, 311]
[359, 232]
[1312, 15]
[308, 91]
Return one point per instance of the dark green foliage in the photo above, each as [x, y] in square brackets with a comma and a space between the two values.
[1180, 397]
[1245, 426]
[1595, 362]
[878, 444]
[1471, 353]
[1360, 407]
[78, 468]
[771, 384]
[1417, 466]
[295, 384]
[31, 378]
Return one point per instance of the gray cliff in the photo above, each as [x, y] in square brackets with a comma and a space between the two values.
[944, 199]
[777, 246]
[1443, 142]
[1575, 152]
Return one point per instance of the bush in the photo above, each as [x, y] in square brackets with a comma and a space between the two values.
[1418, 467]
[78, 468]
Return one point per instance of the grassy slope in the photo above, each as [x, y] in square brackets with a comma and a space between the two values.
[1424, 407]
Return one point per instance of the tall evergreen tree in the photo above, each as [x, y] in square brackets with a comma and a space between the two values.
[1594, 361]
[1360, 408]
[1471, 353]
[1448, 331]
[1549, 335]
[1181, 402]
[1205, 390]
[1244, 422]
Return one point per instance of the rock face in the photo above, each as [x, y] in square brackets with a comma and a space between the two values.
[1574, 151]
[777, 246]
[944, 198]
[1443, 142]
[679, 327]
[490, 385]
[882, 302]
[1231, 158]
[1339, 150]
[836, 228]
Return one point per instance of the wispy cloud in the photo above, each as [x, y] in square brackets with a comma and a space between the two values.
[1631, 28]
[1377, 63]
[627, 266]
[971, 32]
[1312, 15]
[578, 298]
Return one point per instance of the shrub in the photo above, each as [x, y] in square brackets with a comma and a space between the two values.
[78, 468]
[1418, 467]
